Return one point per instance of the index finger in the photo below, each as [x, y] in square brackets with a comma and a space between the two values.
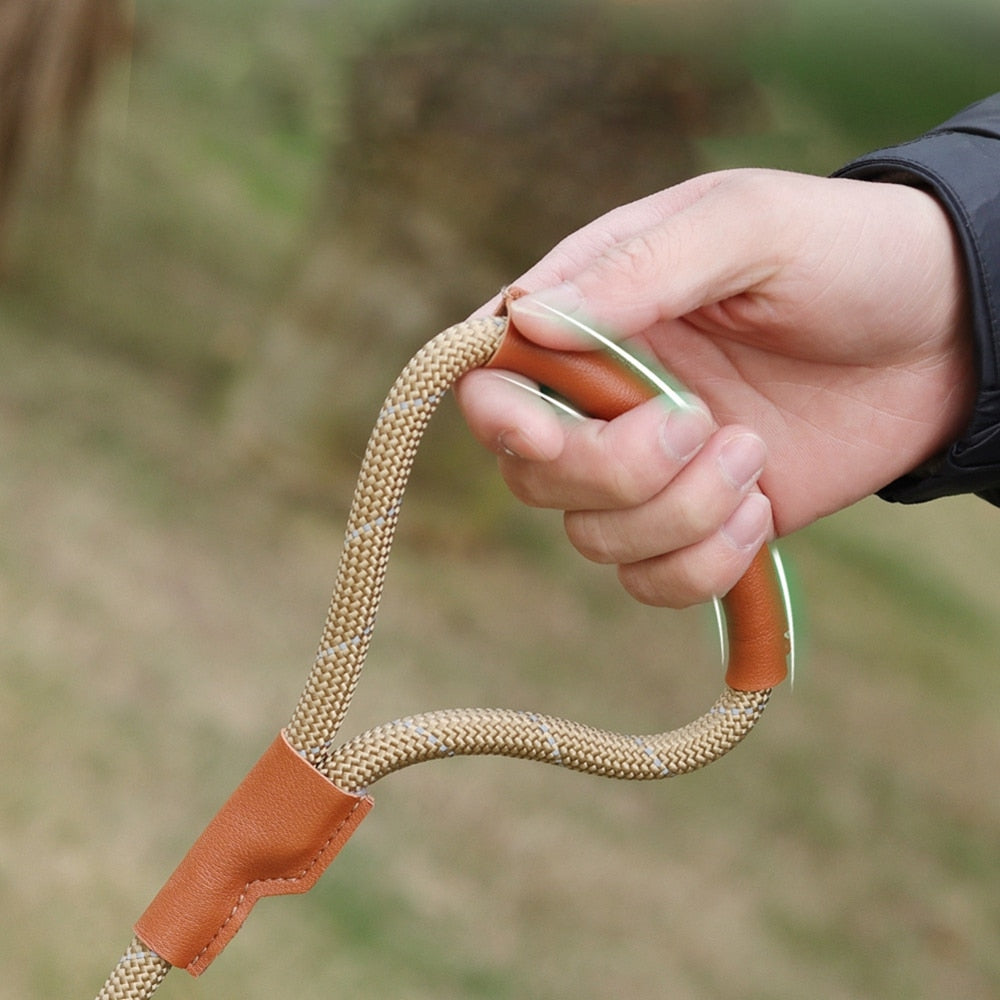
[574, 253]
[720, 240]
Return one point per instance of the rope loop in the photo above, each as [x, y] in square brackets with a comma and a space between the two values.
[756, 616]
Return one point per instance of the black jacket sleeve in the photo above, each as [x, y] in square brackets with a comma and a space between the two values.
[959, 163]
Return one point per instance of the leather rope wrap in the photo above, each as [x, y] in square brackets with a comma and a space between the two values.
[275, 836]
[306, 770]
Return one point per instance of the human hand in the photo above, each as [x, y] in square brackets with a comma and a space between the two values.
[820, 322]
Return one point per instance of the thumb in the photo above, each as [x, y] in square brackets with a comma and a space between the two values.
[723, 243]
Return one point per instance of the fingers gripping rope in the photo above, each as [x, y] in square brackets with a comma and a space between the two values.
[757, 632]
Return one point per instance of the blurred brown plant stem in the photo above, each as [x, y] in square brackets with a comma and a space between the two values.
[52, 53]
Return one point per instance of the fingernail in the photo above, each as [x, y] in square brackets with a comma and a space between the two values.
[742, 459]
[749, 525]
[503, 444]
[684, 432]
[554, 314]
[562, 299]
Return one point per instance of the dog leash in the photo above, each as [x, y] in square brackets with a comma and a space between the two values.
[307, 794]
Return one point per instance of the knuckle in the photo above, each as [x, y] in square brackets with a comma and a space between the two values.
[589, 534]
[635, 257]
[626, 478]
[694, 516]
[677, 581]
[626, 483]
[648, 585]
[523, 485]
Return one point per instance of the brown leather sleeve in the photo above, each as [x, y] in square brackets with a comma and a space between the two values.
[276, 835]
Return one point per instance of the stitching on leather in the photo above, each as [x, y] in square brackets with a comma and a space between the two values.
[285, 878]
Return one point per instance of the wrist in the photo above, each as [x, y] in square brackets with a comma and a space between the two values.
[956, 163]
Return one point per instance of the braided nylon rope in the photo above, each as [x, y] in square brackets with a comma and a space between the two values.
[371, 525]
[347, 633]
[530, 736]
[137, 975]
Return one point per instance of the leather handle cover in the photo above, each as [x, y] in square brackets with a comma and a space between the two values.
[599, 384]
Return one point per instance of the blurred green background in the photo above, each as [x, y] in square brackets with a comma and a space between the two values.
[267, 207]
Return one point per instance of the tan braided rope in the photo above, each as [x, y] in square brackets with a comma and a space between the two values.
[137, 975]
[544, 738]
[371, 524]
[358, 763]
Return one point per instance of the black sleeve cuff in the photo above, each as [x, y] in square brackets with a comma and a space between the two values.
[959, 163]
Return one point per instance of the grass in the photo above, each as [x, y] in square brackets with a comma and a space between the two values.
[161, 603]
